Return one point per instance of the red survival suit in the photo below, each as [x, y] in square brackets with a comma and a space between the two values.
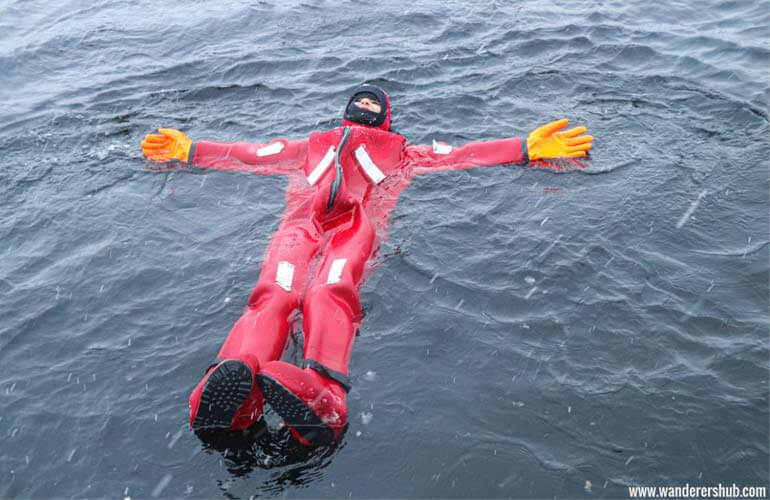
[315, 263]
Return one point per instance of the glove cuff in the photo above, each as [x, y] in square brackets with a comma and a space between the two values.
[191, 153]
[524, 150]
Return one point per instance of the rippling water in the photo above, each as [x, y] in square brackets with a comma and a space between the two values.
[527, 333]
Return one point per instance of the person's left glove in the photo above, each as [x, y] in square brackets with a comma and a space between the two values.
[548, 142]
[169, 145]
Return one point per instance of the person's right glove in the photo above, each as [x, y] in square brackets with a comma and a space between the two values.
[169, 145]
[548, 142]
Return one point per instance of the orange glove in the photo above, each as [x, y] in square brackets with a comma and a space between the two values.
[171, 144]
[548, 142]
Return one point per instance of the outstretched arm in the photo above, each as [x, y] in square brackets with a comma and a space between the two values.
[544, 142]
[278, 156]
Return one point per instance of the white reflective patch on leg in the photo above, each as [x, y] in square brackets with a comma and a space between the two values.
[441, 148]
[374, 173]
[270, 149]
[319, 169]
[285, 275]
[335, 273]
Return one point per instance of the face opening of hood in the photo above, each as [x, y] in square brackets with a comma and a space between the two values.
[355, 116]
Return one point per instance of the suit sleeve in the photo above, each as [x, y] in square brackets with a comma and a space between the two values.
[441, 156]
[277, 157]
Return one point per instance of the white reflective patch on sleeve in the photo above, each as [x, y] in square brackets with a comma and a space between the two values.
[285, 275]
[374, 173]
[270, 149]
[335, 273]
[441, 148]
[319, 169]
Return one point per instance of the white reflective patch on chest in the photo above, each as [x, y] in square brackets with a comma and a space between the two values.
[270, 149]
[335, 272]
[441, 148]
[285, 275]
[371, 170]
[319, 169]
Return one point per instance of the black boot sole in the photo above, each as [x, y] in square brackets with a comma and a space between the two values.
[227, 388]
[294, 411]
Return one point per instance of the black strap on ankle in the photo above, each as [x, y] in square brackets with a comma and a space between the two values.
[215, 363]
[327, 372]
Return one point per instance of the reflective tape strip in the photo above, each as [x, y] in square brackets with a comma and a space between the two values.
[374, 173]
[441, 148]
[285, 275]
[335, 273]
[270, 149]
[319, 169]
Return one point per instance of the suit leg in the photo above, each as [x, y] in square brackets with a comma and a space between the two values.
[227, 397]
[312, 399]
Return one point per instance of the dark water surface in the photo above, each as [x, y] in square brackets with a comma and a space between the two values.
[527, 333]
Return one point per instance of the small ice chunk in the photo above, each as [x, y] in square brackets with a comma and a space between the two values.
[366, 417]
[227, 300]
[370, 375]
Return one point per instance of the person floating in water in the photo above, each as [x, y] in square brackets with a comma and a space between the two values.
[343, 184]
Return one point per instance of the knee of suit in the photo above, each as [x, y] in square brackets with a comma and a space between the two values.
[270, 293]
[342, 295]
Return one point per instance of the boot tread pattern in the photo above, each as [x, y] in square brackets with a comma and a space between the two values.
[227, 388]
[294, 411]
